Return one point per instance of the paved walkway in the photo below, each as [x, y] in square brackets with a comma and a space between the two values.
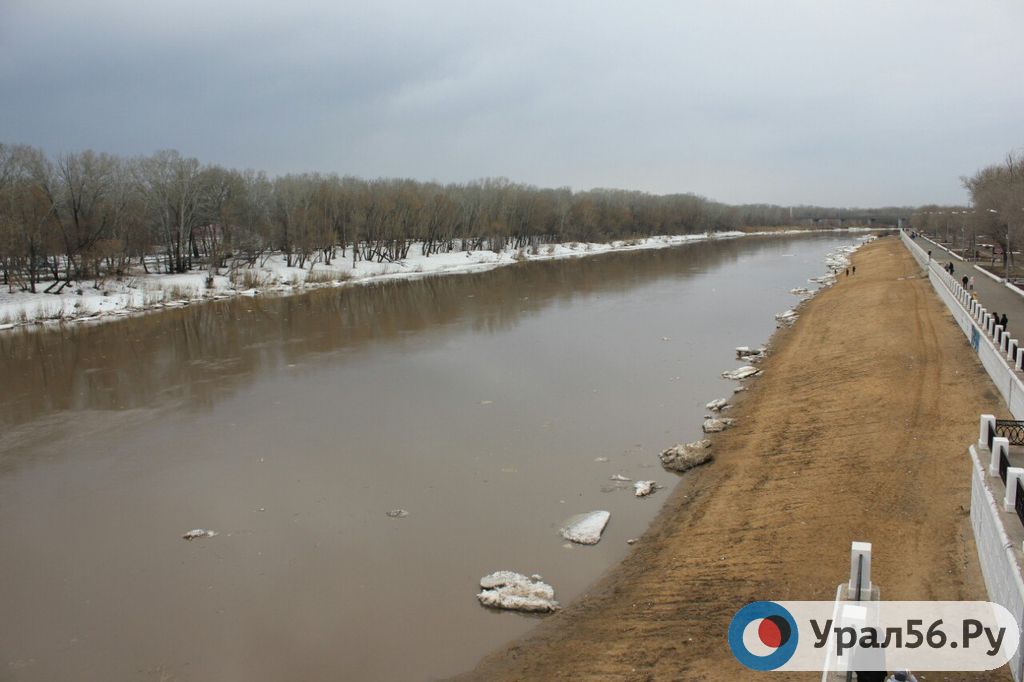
[995, 296]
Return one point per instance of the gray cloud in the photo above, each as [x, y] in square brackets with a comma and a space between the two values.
[817, 101]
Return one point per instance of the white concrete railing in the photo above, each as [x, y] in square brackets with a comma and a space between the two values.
[1000, 355]
[996, 552]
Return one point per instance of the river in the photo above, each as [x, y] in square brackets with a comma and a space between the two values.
[485, 405]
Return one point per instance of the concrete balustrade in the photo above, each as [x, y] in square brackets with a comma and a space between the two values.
[986, 421]
[1013, 474]
[999, 446]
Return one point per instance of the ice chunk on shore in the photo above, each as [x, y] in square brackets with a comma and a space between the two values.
[644, 488]
[586, 529]
[684, 457]
[747, 351]
[514, 591]
[741, 373]
[715, 425]
[197, 533]
[717, 405]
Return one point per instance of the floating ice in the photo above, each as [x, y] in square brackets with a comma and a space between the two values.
[788, 317]
[397, 513]
[684, 457]
[586, 529]
[644, 488]
[715, 425]
[741, 373]
[514, 591]
[717, 405]
[197, 533]
[619, 477]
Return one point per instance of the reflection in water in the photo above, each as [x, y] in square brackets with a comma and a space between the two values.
[491, 406]
[193, 355]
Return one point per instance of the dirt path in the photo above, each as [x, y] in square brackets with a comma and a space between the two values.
[857, 431]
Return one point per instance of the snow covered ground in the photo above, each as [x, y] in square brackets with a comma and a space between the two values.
[92, 301]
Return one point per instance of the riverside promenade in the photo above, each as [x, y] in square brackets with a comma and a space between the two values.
[855, 431]
[995, 296]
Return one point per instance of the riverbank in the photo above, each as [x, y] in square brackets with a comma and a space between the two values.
[92, 301]
[856, 431]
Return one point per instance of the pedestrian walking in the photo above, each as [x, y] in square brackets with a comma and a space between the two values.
[847, 272]
[1002, 321]
[970, 285]
[855, 269]
[964, 280]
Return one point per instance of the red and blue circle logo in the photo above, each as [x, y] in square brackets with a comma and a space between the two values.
[763, 635]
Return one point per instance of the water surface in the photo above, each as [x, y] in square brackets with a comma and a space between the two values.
[481, 404]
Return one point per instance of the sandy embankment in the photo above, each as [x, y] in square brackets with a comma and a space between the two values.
[857, 431]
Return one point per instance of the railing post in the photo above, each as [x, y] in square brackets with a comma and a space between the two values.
[1020, 359]
[987, 421]
[997, 329]
[1004, 340]
[1010, 498]
[1011, 350]
[858, 550]
[999, 446]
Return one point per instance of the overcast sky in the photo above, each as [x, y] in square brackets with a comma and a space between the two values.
[843, 103]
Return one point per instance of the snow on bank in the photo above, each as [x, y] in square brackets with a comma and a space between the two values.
[97, 301]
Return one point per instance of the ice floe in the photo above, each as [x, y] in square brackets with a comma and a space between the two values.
[197, 533]
[741, 373]
[586, 529]
[717, 405]
[714, 425]
[514, 591]
[644, 488]
[684, 457]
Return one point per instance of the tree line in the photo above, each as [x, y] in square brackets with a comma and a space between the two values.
[90, 215]
[995, 214]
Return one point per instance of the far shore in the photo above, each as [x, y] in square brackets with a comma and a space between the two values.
[94, 302]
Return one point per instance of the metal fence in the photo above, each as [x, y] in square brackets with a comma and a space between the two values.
[1011, 429]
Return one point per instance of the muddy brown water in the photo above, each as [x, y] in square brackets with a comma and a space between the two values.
[479, 403]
